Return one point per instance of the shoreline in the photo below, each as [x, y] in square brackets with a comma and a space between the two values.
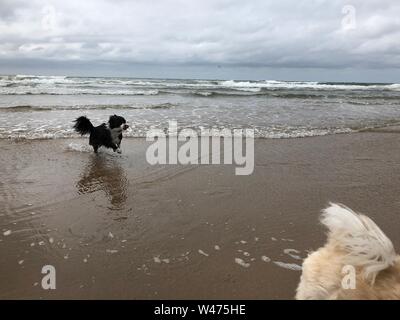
[115, 227]
[390, 128]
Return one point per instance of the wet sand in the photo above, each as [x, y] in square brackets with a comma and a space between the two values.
[115, 227]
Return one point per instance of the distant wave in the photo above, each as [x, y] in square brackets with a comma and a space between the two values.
[62, 85]
[81, 92]
[24, 108]
[271, 84]
[224, 93]
[27, 108]
[296, 94]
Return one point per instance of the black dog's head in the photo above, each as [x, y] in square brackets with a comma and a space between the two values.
[117, 122]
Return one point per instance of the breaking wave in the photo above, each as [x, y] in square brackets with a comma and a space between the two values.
[62, 85]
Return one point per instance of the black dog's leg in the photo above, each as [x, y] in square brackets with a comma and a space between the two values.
[119, 143]
[95, 148]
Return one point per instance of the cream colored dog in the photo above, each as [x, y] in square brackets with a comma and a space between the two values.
[355, 243]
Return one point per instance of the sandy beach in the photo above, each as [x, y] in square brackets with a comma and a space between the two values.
[115, 227]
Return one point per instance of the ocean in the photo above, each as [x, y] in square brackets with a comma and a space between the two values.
[44, 107]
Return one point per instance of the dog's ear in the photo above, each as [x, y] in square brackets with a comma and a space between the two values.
[111, 120]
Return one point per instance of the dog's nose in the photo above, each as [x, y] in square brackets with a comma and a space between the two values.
[126, 126]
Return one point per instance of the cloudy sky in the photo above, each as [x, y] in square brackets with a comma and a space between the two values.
[327, 40]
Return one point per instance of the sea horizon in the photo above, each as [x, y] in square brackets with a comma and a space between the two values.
[197, 78]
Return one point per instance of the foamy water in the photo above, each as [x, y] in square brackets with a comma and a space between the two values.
[42, 107]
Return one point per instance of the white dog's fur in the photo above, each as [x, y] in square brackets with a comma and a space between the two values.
[355, 240]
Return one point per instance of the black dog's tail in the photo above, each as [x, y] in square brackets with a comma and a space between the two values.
[83, 125]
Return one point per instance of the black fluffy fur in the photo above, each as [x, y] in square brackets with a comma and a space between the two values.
[102, 134]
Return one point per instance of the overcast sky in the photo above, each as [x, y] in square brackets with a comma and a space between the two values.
[327, 40]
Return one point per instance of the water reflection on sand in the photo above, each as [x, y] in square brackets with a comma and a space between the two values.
[104, 173]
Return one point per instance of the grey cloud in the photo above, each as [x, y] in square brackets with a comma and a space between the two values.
[266, 33]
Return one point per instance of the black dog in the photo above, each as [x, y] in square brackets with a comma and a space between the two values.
[108, 136]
